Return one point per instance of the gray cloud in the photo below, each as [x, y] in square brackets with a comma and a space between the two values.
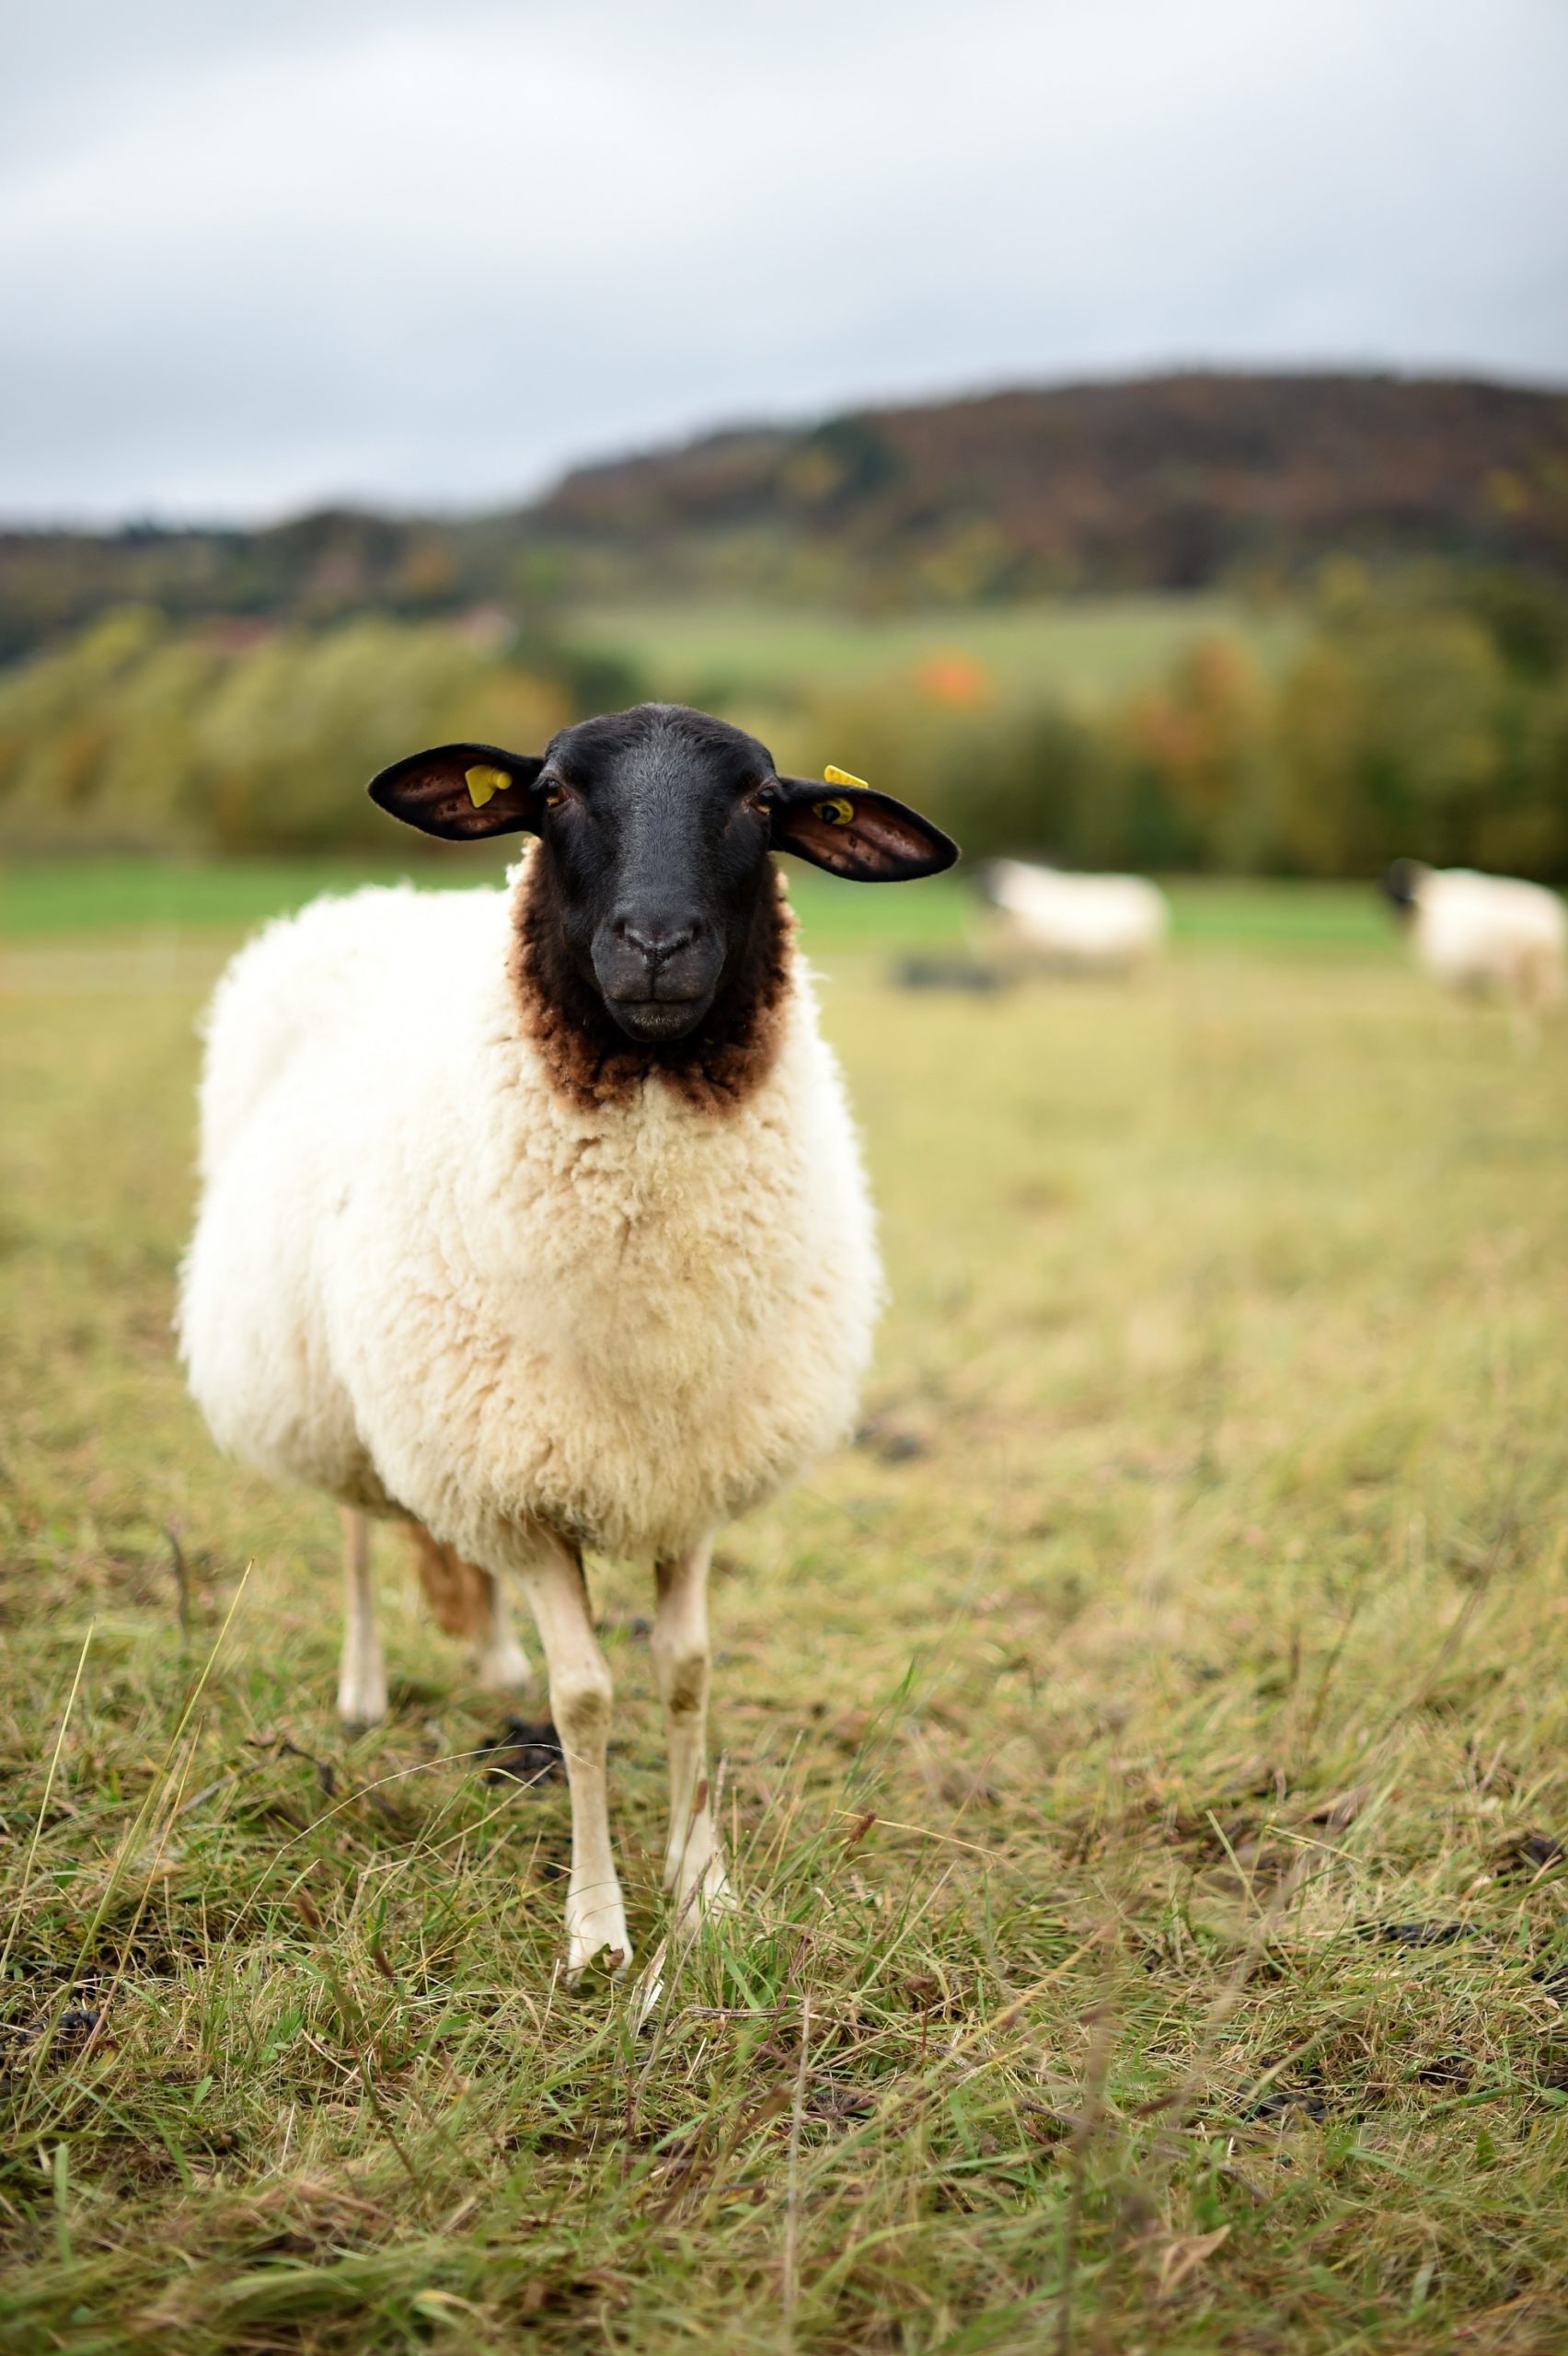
[362, 249]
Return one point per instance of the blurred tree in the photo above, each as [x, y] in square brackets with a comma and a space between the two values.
[1423, 715]
[1389, 741]
[1199, 747]
[137, 735]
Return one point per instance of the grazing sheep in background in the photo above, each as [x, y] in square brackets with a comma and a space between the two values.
[1091, 924]
[1485, 932]
[536, 1216]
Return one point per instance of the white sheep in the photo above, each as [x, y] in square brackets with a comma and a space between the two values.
[536, 1217]
[1485, 932]
[1105, 924]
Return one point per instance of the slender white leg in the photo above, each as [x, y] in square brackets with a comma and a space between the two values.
[694, 1861]
[361, 1679]
[501, 1664]
[580, 1695]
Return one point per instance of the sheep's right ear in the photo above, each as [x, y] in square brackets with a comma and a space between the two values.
[461, 791]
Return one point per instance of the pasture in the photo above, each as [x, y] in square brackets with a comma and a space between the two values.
[1090, 650]
[1145, 1751]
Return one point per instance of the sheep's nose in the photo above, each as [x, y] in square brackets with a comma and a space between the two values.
[656, 940]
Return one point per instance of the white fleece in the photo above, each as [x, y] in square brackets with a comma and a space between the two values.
[1492, 931]
[1090, 923]
[422, 1282]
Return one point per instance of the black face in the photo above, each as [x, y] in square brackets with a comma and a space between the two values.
[658, 838]
[1398, 883]
[657, 825]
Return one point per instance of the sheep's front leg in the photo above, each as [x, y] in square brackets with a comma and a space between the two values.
[361, 1678]
[694, 1861]
[580, 1695]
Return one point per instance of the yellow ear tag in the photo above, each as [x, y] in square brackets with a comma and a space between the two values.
[485, 783]
[837, 811]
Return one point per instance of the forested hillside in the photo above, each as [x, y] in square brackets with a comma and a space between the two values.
[1172, 482]
[1175, 482]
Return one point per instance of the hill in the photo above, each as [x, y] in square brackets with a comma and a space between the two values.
[1160, 483]
[1172, 482]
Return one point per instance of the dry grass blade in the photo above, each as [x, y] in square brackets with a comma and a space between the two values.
[21, 1899]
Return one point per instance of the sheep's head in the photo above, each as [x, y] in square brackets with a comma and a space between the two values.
[1400, 883]
[655, 827]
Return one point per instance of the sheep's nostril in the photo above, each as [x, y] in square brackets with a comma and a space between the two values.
[657, 943]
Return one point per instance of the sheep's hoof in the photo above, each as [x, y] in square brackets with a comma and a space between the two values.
[710, 1892]
[698, 1884]
[707, 1896]
[360, 1708]
[614, 1962]
[649, 1986]
[600, 1937]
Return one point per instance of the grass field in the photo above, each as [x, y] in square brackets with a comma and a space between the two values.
[1147, 1750]
[122, 903]
[1088, 650]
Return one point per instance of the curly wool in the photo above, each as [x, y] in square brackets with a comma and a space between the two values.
[425, 1281]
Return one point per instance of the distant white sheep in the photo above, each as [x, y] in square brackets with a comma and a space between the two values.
[1102, 924]
[536, 1218]
[1485, 932]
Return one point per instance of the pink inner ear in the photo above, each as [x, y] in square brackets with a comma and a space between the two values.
[444, 791]
[431, 790]
[873, 837]
[877, 829]
[883, 843]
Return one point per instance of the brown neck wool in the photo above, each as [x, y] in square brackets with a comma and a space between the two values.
[589, 1059]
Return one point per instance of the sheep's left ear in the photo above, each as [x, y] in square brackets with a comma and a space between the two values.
[868, 837]
[461, 791]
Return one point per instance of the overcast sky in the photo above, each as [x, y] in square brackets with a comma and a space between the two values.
[252, 259]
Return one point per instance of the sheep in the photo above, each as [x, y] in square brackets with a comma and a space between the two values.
[536, 1218]
[1105, 924]
[1485, 932]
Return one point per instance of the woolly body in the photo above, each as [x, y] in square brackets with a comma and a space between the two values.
[424, 1282]
[1475, 932]
[1093, 922]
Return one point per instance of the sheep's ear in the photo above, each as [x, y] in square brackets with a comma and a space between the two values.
[461, 791]
[867, 837]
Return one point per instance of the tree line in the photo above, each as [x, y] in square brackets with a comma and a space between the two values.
[1426, 718]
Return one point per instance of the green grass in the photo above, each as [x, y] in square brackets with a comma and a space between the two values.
[40, 898]
[52, 895]
[44, 899]
[1089, 651]
[1131, 1747]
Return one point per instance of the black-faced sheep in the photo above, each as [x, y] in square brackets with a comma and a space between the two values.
[1485, 932]
[536, 1217]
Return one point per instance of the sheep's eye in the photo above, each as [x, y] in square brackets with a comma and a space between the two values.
[554, 795]
[767, 798]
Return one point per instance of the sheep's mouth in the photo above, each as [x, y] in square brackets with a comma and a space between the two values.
[658, 1018]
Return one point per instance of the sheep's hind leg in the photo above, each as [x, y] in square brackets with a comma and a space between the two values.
[694, 1861]
[361, 1678]
[501, 1664]
[472, 1604]
[581, 1696]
